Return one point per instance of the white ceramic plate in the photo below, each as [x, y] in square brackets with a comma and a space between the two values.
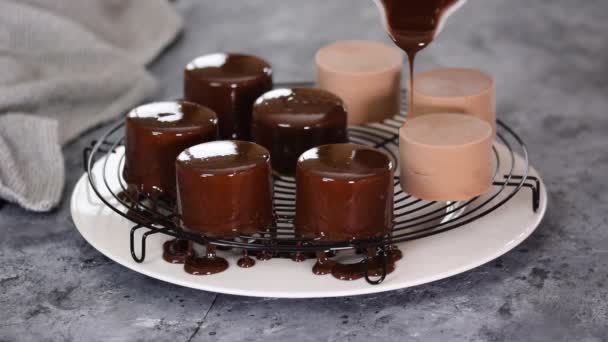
[425, 260]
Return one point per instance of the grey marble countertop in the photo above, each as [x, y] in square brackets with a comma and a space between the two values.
[549, 59]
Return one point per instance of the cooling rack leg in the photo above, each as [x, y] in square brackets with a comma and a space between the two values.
[383, 257]
[85, 157]
[530, 182]
[533, 183]
[535, 193]
[142, 256]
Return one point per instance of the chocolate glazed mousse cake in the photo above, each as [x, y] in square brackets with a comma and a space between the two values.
[288, 122]
[229, 84]
[345, 193]
[155, 134]
[224, 190]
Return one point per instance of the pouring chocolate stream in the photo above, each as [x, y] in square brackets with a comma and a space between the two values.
[413, 24]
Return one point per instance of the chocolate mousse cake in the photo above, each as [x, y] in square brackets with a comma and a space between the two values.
[288, 122]
[446, 156]
[156, 134]
[224, 190]
[365, 74]
[229, 84]
[344, 193]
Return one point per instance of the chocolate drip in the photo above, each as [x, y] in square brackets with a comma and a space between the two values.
[323, 265]
[224, 190]
[176, 251]
[395, 253]
[348, 271]
[209, 264]
[375, 265]
[298, 257]
[245, 261]
[264, 255]
[179, 251]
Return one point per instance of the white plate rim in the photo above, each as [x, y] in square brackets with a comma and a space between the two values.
[364, 289]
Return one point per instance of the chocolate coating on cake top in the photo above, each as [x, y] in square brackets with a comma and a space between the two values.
[223, 157]
[344, 162]
[228, 68]
[171, 116]
[299, 108]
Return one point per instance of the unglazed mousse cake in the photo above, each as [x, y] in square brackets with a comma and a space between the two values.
[288, 122]
[365, 74]
[446, 156]
[229, 84]
[155, 134]
[456, 90]
[224, 190]
[344, 193]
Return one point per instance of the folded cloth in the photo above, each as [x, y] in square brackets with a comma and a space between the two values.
[66, 66]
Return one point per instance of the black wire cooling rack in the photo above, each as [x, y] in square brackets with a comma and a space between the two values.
[413, 218]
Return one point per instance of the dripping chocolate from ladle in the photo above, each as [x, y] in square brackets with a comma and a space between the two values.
[413, 24]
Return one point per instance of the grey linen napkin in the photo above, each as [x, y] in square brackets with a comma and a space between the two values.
[66, 66]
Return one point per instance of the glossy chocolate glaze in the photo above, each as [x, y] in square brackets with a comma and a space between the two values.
[323, 265]
[395, 253]
[344, 192]
[298, 257]
[225, 188]
[348, 271]
[229, 84]
[263, 255]
[155, 134]
[289, 122]
[176, 251]
[412, 24]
